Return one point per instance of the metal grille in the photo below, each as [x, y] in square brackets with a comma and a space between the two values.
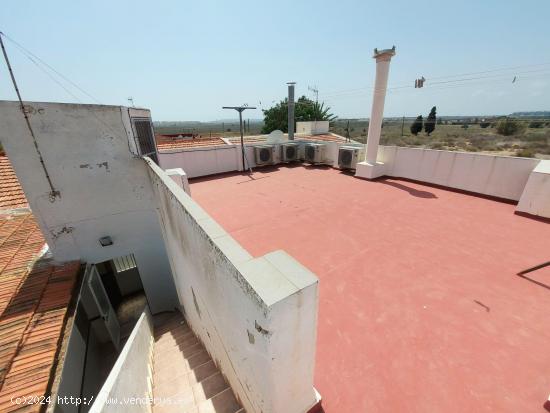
[124, 263]
[145, 139]
[310, 153]
[290, 152]
[346, 157]
[265, 155]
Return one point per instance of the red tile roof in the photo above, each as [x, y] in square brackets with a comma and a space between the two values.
[165, 142]
[324, 138]
[34, 297]
[11, 193]
[248, 139]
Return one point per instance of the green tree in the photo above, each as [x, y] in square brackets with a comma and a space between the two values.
[416, 127]
[305, 109]
[429, 125]
[508, 127]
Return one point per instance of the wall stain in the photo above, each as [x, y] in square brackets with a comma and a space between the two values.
[64, 230]
[260, 329]
[251, 338]
[105, 165]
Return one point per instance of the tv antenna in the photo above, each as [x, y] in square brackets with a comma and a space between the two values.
[131, 101]
[314, 90]
[241, 109]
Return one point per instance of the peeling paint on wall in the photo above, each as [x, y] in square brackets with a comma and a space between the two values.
[251, 338]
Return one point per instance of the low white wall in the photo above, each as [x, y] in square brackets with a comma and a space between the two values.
[257, 317]
[313, 128]
[180, 177]
[128, 386]
[220, 159]
[202, 161]
[499, 176]
[535, 199]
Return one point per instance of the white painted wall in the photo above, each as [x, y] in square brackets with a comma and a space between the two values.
[201, 161]
[535, 199]
[90, 154]
[257, 317]
[130, 377]
[312, 128]
[179, 176]
[499, 176]
[73, 364]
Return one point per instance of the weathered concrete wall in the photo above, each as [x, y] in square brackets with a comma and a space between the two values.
[312, 128]
[535, 199]
[129, 382]
[499, 176]
[257, 317]
[201, 161]
[89, 152]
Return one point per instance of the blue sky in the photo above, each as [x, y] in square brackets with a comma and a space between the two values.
[184, 60]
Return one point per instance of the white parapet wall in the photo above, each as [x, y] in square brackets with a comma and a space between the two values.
[535, 199]
[492, 175]
[201, 161]
[257, 317]
[180, 177]
[128, 386]
[315, 127]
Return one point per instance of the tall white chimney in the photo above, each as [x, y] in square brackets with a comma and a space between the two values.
[370, 169]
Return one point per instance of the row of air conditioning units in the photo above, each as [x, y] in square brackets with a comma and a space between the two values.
[311, 152]
[269, 154]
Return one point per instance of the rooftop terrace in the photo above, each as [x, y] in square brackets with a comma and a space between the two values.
[420, 306]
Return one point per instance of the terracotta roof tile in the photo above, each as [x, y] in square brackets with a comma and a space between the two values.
[323, 138]
[165, 142]
[248, 139]
[34, 296]
[11, 193]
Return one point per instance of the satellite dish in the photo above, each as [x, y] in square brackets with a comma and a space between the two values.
[275, 137]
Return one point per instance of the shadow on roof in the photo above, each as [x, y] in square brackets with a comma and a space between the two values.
[412, 191]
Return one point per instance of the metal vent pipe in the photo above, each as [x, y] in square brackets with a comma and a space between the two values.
[291, 110]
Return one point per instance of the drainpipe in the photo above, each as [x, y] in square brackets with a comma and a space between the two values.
[291, 110]
[383, 58]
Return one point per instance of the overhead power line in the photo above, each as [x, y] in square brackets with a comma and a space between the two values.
[410, 84]
[34, 58]
[53, 192]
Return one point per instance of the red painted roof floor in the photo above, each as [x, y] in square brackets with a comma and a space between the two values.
[420, 308]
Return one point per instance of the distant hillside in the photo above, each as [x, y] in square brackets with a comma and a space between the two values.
[537, 114]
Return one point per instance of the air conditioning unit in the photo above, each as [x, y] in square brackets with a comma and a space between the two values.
[315, 153]
[290, 152]
[263, 154]
[348, 156]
